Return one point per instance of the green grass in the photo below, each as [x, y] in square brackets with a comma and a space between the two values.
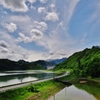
[15, 94]
[46, 89]
[39, 91]
[72, 78]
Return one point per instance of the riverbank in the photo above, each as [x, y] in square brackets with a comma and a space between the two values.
[75, 79]
[43, 90]
[38, 91]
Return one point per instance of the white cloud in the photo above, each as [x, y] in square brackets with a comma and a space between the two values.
[18, 18]
[27, 39]
[24, 23]
[11, 27]
[52, 16]
[34, 29]
[40, 25]
[36, 34]
[57, 54]
[15, 5]
[4, 44]
[24, 38]
[12, 50]
[60, 43]
[35, 56]
[43, 1]
[52, 6]
[3, 50]
[69, 10]
[41, 9]
[31, 1]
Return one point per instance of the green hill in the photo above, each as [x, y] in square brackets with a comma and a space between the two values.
[84, 63]
[6, 64]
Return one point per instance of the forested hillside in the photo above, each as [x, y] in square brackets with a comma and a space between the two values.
[6, 64]
[83, 63]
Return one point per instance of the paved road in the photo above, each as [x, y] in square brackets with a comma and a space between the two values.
[25, 84]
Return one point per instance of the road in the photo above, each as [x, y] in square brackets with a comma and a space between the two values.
[28, 83]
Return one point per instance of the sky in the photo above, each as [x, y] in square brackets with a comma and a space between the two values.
[47, 29]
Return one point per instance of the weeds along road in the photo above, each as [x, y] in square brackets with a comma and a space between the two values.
[2, 89]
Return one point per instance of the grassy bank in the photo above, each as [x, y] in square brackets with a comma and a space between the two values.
[39, 91]
[71, 78]
[92, 86]
[44, 90]
[74, 79]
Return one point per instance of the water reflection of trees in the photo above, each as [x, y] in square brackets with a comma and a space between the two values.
[22, 76]
[91, 87]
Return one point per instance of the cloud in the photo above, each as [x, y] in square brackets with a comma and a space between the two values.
[60, 43]
[18, 18]
[24, 23]
[40, 25]
[69, 10]
[43, 1]
[13, 51]
[51, 16]
[10, 50]
[4, 44]
[3, 50]
[52, 6]
[33, 56]
[15, 5]
[21, 35]
[55, 54]
[36, 34]
[11, 27]
[24, 38]
[37, 30]
[31, 1]
[41, 9]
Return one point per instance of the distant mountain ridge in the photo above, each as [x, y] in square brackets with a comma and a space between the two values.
[6, 64]
[57, 61]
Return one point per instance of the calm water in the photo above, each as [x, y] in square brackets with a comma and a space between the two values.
[15, 77]
[72, 93]
[86, 91]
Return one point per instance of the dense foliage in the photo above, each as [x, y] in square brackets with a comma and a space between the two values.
[84, 63]
[6, 64]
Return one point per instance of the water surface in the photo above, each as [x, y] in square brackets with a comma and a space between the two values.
[72, 93]
[16, 77]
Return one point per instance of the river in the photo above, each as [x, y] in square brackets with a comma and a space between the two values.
[88, 91]
[16, 77]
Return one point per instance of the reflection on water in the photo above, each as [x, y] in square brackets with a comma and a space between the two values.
[72, 93]
[15, 77]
